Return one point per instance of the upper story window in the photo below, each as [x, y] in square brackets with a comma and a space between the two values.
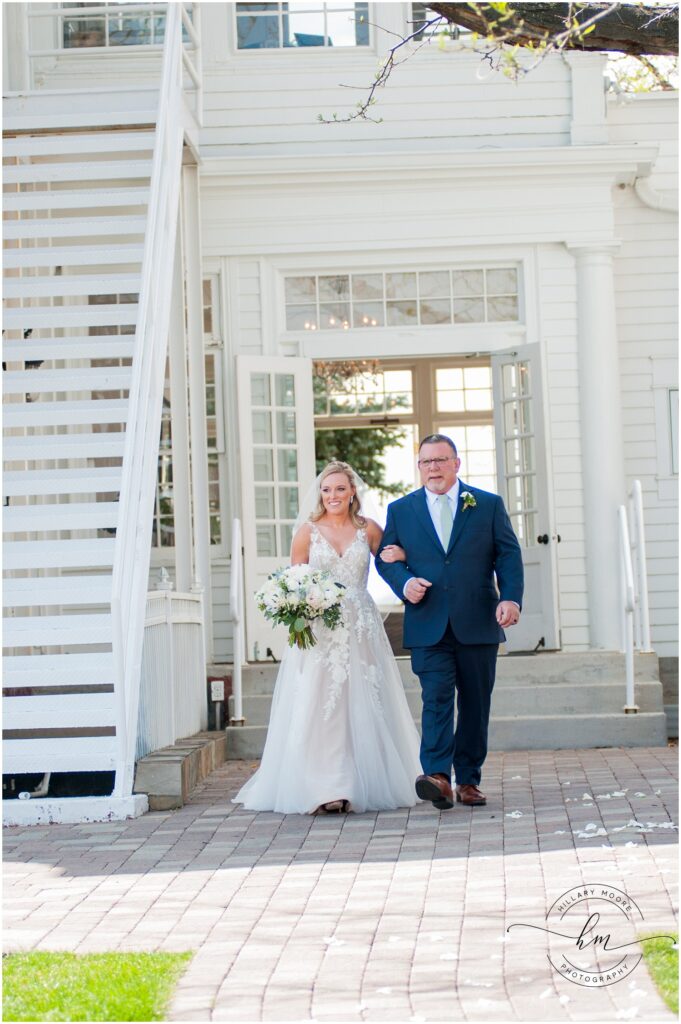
[421, 15]
[401, 298]
[110, 24]
[284, 25]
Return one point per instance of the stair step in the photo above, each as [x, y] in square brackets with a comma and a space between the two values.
[56, 630]
[25, 123]
[79, 378]
[113, 346]
[72, 256]
[36, 591]
[30, 317]
[556, 732]
[76, 754]
[46, 414]
[99, 480]
[535, 732]
[73, 227]
[77, 170]
[59, 554]
[72, 199]
[49, 447]
[78, 142]
[91, 669]
[64, 710]
[81, 515]
[70, 284]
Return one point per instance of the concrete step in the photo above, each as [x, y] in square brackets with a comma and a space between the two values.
[513, 701]
[551, 669]
[545, 701]
[531, 732]
[169, 775]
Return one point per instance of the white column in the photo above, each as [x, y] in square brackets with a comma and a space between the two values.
[179, 423]
[191, 223]
[588, 126]
[602, 439]
[16, 43]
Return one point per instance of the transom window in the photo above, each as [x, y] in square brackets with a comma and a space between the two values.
[266, 26]
[401, 298]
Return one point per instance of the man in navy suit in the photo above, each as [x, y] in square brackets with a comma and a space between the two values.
[456, 539]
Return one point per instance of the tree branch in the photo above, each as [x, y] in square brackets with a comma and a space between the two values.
[635, 29]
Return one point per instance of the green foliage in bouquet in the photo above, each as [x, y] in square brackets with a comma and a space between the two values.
[297, 595]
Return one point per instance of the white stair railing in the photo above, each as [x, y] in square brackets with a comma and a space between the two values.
[236, 614]
[634, 587]
[638, 550]
[133, 538]
[628, 606]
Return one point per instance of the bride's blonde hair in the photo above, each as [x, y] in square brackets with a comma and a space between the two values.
[358, 521]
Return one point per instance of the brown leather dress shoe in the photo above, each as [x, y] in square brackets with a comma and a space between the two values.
[470, 795]
[437, 789]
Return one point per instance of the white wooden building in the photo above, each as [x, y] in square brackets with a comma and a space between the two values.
[505, 251]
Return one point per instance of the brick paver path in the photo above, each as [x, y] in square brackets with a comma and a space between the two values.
[396, 916]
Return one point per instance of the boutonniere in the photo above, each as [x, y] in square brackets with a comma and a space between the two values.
[468, 500]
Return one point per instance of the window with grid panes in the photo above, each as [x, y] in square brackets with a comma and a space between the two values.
[334, 302]
[277, 26]
[421, 15]
[108, 24]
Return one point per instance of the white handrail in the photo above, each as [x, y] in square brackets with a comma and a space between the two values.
[628, 607]
[642, 614]
[236, 614]
[133, 537]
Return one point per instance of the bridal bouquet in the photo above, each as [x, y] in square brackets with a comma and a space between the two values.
[295, 596]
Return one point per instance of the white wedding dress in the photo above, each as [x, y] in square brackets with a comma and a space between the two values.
[340, 726]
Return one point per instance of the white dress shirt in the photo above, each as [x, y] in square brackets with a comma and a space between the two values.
[434, 507]
[434, 510]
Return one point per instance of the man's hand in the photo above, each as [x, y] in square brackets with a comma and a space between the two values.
[393, 553]
[415, 589]
[508, 613]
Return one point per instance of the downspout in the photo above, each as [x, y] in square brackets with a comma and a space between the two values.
[666, 202]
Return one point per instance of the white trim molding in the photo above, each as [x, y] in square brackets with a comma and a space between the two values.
[665, 381]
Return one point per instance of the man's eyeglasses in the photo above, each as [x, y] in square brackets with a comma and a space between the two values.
[427, 463]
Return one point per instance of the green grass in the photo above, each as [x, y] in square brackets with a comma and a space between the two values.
[663, 965]
[91, 987]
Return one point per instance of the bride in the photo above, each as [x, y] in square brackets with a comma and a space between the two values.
[341, 736]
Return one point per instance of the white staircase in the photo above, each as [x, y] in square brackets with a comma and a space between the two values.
[72, 216]
[89, 234]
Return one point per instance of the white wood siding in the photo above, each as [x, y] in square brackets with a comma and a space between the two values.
[267, 102]
[646, 288]
[557, 298]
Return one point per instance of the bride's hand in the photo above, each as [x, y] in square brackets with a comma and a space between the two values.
[393, 553]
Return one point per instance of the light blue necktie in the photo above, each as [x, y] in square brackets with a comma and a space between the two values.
[446, 519]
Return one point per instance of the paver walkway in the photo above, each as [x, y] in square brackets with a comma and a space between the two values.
[396, 916]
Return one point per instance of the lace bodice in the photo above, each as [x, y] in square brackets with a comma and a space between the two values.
[351, 568]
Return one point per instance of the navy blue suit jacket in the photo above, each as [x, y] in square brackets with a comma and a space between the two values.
[463, 592]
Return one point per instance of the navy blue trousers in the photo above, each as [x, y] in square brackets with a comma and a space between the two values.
[446, 671]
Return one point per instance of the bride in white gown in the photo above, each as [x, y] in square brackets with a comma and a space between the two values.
[341, 736]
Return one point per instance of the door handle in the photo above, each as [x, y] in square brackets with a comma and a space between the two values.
[543, 538]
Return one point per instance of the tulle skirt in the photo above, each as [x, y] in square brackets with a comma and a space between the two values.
[340, 727]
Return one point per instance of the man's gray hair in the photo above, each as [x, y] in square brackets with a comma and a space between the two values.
[435, 439]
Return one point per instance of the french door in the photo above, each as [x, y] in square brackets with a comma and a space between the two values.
[523, 482]
[276, 442]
